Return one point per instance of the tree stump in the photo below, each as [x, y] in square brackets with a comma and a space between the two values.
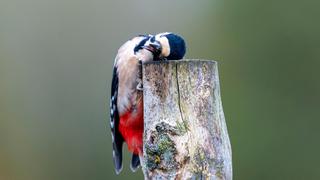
[185, 133]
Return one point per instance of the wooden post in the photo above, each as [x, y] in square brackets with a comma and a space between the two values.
[185, 133]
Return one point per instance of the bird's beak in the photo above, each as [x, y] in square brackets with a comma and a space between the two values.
[154, 47]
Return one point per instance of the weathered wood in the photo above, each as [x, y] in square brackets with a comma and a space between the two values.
[185, 134]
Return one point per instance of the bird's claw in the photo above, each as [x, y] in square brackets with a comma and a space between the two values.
[140, 86]
[139, 78]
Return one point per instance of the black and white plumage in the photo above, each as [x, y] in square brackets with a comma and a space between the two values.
[126, 106]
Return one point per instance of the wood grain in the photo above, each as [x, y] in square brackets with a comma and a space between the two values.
[185, 133]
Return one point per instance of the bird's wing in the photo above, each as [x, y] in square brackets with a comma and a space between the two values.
[117, 139]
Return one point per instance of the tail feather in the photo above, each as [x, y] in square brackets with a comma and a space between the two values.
[117, 156]
[135, 163]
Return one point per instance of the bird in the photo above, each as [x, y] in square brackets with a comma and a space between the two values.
[126, 102]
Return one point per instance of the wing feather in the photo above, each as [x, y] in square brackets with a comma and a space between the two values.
[117, 139]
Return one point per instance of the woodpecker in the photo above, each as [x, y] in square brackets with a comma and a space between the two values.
[126, 103]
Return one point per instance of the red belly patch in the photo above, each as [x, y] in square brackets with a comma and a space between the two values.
[131, 128]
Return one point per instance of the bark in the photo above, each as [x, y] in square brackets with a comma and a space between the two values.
[185, 133]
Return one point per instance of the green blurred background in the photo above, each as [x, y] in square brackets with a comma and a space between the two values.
[56, 59]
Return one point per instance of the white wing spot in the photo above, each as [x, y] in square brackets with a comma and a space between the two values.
[113, 154]
[112, 123]
[112, 137]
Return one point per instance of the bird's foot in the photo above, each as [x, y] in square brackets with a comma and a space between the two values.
[140, 85]
[139, 78]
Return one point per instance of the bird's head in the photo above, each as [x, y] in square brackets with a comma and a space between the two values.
[166, 46]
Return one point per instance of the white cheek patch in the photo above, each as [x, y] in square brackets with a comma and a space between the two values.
[165, 46]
